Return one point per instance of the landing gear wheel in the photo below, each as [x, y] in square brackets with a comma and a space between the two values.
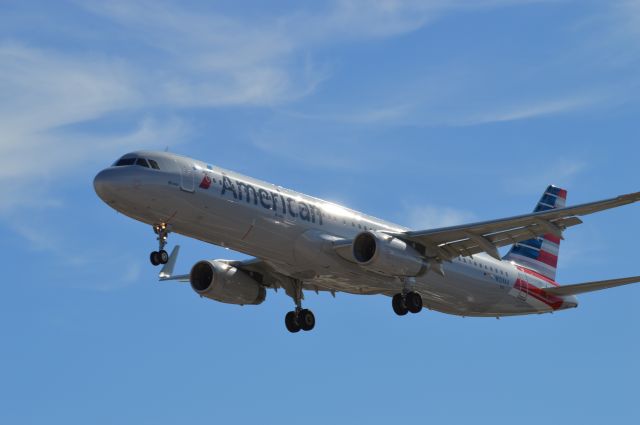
[399, 305]
[306, 320]
[154, 257]
[291, 322]
[413, 302]
[163, 257]
[160, 256]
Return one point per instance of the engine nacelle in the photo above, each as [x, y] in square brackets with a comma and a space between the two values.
[384, 254]
[221, 282]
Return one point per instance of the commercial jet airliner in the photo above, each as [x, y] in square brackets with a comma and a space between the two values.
[301, 243]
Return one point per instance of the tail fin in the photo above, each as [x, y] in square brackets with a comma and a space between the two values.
[541, 254]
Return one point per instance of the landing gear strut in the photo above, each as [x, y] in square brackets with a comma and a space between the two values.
[411, 302]
[300, 318]
[160, 256]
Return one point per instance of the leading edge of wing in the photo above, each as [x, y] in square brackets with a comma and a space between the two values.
[581, 288]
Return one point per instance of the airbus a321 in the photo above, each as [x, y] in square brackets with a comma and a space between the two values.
[301, 243]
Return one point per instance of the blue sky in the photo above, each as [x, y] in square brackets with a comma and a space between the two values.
[427, 113]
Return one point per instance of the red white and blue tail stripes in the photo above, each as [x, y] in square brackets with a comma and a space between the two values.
[541, 254]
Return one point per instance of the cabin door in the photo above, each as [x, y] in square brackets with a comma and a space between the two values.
[187, 180]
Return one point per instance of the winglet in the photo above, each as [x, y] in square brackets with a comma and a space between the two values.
[167, 270]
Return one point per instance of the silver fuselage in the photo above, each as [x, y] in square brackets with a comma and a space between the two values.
[294, 233]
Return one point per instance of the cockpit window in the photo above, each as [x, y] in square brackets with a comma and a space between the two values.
[125, 161]
[133, 160]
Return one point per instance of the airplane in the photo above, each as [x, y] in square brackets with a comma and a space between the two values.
[302, 243]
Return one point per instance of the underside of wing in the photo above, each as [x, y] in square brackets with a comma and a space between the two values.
[466, 240]
[581, 288]
[259, 270]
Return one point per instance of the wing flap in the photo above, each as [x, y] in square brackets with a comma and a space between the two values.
[470, 246]
[581, 288]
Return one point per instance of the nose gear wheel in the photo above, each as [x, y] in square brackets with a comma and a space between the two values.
[160, 256]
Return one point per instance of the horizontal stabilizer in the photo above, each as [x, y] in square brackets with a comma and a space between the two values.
[580, 288]
[167, 270]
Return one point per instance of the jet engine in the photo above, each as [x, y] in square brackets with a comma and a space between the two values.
[222, 282]
[384, 254]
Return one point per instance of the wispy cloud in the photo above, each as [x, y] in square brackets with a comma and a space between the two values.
[535, 109]
[184, 57]
[194, 58]
[433, 216]
[532, 178]
[210, 59]
[624, 18]
[362, 19]
[73, 263]
[421, 114]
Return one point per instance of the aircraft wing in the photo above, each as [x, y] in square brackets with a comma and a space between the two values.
[257, 268]
[252, 266]
[488, 236]
[581, 288]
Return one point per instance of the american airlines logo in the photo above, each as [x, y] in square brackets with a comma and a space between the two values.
[206, 182]
[269, 200]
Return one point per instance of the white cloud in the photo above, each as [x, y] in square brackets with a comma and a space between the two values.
[42, 92]
[195, 58]
[528, 111]
[363, 19]
[430, 114]
[207, 58]
[48, 91]
[533, 178]
[625, 18]
[431, 216]
[391, 114]
[192, 58]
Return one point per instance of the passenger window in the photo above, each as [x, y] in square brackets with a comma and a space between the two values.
[125, 161]
[154, 164]
[142, 162]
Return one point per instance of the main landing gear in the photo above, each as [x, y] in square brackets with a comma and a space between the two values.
[160, 256]
[411, 302]
[300, 318]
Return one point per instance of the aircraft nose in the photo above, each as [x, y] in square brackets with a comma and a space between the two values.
[106, 183]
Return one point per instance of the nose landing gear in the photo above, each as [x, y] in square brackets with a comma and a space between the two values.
[160, 256]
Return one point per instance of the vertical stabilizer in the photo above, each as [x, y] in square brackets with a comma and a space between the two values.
[541, 254]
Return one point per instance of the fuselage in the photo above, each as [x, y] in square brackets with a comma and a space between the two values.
[295, 232]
